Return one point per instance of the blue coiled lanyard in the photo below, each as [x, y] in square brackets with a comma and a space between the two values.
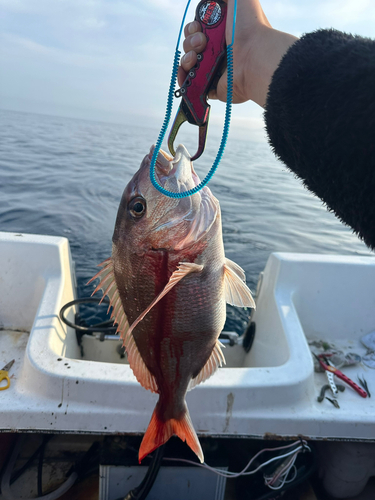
[228, 111]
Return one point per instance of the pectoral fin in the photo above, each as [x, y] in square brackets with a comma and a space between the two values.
[184, 268]
[236, 291]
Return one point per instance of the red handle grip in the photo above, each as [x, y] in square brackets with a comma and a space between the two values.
[212, 17]
[347, 380]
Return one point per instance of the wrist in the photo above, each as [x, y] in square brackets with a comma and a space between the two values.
[266, 49]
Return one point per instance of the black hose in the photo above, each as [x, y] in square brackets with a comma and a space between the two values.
[89, 463]
[141, 491]
[40, 465]
[99, 327]
[26, 465]
[5, 480]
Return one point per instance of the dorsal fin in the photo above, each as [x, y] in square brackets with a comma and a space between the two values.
[236, 291]
[108, 284]
[216, 360]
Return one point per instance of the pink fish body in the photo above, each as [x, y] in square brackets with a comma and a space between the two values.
[168, 282]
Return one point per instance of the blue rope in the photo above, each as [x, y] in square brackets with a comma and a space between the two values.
[228, 111]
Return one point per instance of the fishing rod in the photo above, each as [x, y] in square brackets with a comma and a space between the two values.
[194, 107]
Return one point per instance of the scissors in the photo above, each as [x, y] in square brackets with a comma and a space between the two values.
[194, 107]
[4, 375]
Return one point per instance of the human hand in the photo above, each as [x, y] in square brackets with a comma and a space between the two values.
[257, 52]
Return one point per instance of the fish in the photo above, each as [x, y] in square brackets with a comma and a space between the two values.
[168, 282]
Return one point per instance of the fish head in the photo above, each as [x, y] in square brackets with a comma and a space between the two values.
[147, 219]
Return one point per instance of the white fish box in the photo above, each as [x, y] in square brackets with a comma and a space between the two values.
[270, 391]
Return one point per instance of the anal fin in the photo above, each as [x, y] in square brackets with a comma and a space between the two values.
[140, 370]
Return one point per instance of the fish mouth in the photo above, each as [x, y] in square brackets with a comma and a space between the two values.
[177, 172]
[181, 221]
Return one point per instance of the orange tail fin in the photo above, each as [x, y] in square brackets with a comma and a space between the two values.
[159, 432]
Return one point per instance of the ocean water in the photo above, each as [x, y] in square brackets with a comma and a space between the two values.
[65, 177]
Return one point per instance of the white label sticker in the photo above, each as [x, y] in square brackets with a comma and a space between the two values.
[210, 13]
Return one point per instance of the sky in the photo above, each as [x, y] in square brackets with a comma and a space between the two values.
[110, 60]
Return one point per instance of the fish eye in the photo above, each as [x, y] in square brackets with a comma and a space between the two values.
[137, 207]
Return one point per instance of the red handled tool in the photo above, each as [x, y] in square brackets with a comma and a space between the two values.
[194, 108]
[339, 374]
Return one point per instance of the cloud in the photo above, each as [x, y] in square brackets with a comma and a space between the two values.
[347, 12]
[300, 17]
[23, 49]
[173, 8]
[117, 54]
[92, 23]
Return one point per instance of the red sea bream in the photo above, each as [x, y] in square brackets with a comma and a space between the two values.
[168, 282]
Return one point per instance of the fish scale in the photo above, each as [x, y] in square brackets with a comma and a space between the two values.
[169, 282]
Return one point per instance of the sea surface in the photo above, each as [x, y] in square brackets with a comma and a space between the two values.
[65, 177]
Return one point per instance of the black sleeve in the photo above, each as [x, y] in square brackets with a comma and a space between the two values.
[320, 119]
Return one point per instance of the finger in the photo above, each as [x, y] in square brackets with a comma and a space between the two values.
[181, 76]
[192, 28]
[196, 42]
[189, 60]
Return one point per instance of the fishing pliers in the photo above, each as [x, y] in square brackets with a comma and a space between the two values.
[204, 75]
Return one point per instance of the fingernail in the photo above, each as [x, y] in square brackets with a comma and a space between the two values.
[196, 40]
[186, 58]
